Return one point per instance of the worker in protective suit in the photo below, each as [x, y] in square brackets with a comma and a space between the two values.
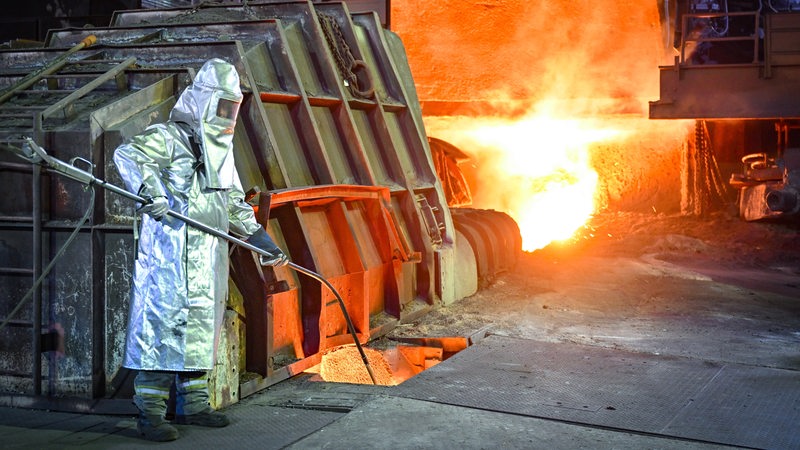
[181, 273]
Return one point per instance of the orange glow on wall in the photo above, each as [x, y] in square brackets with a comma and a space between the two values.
[550, 99]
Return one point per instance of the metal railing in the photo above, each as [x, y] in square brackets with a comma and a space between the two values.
[699, 34]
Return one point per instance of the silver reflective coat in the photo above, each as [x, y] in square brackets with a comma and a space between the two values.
[181, 274]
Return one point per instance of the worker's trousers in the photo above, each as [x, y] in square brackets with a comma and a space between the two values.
[152, 393]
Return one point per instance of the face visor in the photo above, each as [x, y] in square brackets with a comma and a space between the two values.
[223, 111]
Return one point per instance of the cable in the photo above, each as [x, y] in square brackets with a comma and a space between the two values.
[52, 263]
[347, 319]
[37, 155]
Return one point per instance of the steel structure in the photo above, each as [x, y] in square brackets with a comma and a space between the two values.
[738, 67]
[332, 144]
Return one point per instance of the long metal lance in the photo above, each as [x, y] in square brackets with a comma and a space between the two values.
[51, 67]
[37, 155]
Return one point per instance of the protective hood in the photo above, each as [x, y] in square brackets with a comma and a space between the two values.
[210, 106]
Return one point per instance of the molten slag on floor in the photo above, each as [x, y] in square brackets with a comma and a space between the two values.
[390, 366]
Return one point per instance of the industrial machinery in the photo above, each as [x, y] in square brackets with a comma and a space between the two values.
[331, 144]
[737, 71]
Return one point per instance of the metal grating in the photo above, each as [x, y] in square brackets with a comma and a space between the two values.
[749, 406]
[729, 404]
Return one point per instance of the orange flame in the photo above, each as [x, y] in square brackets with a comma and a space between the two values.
[547, 183]
[559, 60]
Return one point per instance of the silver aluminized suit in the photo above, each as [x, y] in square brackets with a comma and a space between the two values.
[181, 274]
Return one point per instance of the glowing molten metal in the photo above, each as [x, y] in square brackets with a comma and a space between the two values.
[537, 169]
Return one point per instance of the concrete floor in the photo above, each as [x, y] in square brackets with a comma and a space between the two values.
[657, 333]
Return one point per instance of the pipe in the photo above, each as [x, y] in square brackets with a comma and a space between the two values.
[38, 155]
[53, 66]
[785, 201]
[36, 307]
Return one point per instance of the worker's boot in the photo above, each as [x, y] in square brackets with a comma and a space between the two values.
[155, 428]
[207, 418]
[151, 395]
[192, 405]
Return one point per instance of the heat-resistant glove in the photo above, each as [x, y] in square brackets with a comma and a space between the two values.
[263, 241]
[157, 208]
[279, 260]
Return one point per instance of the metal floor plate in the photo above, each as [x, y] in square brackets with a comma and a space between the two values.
[722, 403]
[255, 426]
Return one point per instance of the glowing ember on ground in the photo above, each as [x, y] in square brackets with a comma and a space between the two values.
[546, 180]
[344, 365]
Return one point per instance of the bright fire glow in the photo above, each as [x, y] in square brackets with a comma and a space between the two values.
[548, 184]
[598, 62]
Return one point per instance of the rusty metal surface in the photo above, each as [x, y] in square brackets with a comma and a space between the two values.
[349, 189]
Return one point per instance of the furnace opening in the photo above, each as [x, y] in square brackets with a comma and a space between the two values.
[393, 361]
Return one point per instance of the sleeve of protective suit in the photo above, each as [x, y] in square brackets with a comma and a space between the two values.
[140, 161]
[241, 217]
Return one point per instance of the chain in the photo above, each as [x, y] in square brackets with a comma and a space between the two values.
[329, 27]
[345, 61]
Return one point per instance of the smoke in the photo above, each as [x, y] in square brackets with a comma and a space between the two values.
[587, 55]
[555, 101]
